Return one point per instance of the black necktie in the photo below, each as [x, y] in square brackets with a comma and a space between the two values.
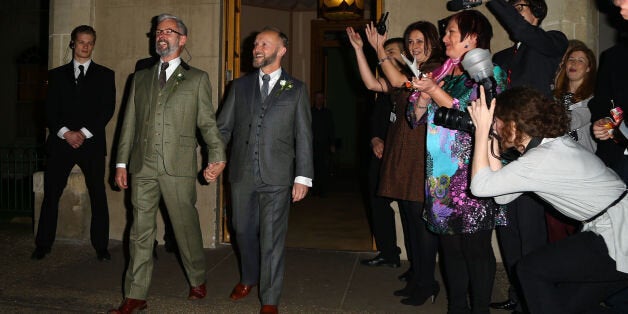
[162, 75]
[265, 79]
[81, 75]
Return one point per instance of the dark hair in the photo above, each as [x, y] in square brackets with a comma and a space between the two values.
[82, 29]
[472, 22]
[532, 113]
[537, 7]
[587, 87]
[395, 40]
[180, 25]
[282, 36]
[433, 48]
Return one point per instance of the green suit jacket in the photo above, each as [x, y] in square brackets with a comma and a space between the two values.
[186, 108]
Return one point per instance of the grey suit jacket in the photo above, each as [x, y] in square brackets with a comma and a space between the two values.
[285, 139]
[187, 107]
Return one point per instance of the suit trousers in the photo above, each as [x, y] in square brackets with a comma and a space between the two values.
[572, 275]
[382, 216]
[179, 195]
[260, 220]
[468, 262]
[55, 180]
[526, 231]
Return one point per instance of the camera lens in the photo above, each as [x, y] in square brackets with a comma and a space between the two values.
[453, 119]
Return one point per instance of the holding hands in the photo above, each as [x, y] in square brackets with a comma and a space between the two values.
[213, 170]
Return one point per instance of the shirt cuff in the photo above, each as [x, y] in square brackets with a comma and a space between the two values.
[120, 165]
[87, 133]
[303, 180]
[62, 131]
[623, 129]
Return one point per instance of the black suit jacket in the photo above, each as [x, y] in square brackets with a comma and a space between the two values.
[89, 105]
[380, 116]
[612, 84]
[536, 60]
[285, 130]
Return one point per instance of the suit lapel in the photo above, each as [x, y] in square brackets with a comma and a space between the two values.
[276, 92]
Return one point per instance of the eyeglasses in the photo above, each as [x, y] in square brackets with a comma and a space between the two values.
[167, 32]
[520, 6]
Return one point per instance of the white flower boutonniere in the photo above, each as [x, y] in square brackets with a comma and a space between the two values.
[285, 85]
[178, 79]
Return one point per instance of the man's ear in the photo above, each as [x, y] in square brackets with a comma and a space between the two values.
[282, 51]
[182, 40]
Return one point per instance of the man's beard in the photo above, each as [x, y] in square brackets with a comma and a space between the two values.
[168, 50]
[265, 61]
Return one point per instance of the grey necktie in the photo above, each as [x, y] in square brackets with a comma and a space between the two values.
[265, 79]
[162, 75]
[81, 75]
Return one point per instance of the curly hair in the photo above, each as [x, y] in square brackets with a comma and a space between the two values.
[526, 112]
[587, 87]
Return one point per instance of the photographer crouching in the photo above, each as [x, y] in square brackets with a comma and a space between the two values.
[591, 265]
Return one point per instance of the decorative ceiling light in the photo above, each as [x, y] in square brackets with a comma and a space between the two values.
[341, 9]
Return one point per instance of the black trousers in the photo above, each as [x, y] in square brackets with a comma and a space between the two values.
[382, 216]
[423, 244]
[572, 275]
[55, 180]
[526, 231]
[469, 262]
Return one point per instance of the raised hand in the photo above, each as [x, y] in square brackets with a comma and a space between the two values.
[355, 38]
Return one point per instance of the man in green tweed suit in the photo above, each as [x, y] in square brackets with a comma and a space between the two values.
[167, 104]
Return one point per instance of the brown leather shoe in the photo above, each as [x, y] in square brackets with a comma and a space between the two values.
[240, 291]
[130, 306]
[197, 293]
[269, 309]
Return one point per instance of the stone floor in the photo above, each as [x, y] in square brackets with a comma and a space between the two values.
[71, 280]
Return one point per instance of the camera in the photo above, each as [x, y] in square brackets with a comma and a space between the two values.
[457, 5]
[477, 62]
[381, 25]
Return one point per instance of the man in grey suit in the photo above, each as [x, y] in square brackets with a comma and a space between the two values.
[267, 118]
[167, 104]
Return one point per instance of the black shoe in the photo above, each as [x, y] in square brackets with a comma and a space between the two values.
[103, 255]
[380, 261]
[421, 294]
[405, 292]
[507, 305]
[405, 277]
[40, 253]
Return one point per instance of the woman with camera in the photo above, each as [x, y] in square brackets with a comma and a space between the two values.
[464, 222]
[576, 274]
[403, 182]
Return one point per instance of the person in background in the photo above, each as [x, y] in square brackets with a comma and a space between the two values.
[574, 87]
[81, 101]
[531, 61]
[575, 274]
[382, 215]
[268, 121]
[463, 222]
[323, 139]
[164, 164]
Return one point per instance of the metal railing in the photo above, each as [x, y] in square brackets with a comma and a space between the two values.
[17, 165]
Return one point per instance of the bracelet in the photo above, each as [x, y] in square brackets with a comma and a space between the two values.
[383, 59]
[422, 107]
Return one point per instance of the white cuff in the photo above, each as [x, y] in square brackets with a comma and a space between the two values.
[121, 165]
[61, 132]
[87, 133]
[303, 180]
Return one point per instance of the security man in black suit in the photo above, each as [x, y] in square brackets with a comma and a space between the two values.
[81, 101]
[532, 61]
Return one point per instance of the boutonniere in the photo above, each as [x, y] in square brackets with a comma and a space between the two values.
[178, 79]
[285, 85]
